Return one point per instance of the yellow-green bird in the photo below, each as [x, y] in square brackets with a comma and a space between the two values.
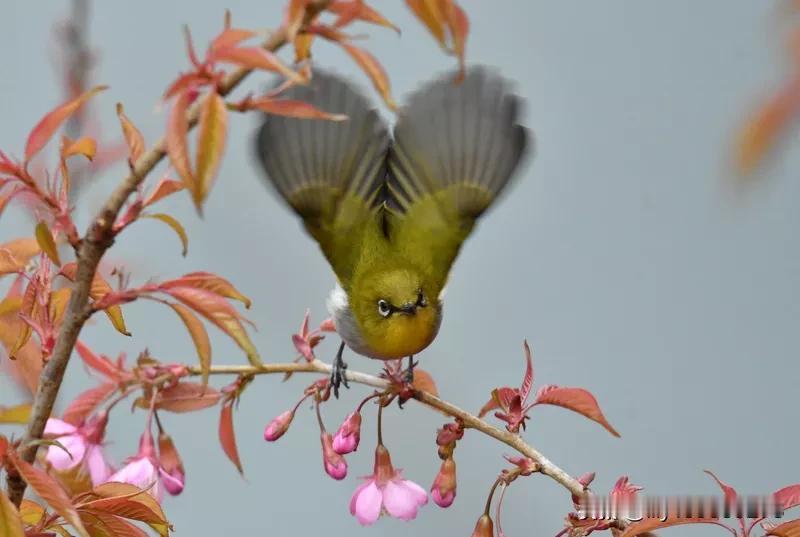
[390, 212]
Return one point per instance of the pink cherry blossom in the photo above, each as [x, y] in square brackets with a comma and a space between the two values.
[335, 465]
[386, 491]
[144, 471]
[83, 446]
[278, 426]
[347, 437]
[443, 490]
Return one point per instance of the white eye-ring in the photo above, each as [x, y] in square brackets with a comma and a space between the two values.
[384, 308]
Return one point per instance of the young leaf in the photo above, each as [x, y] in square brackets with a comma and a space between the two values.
[293, 20]
[575, 399]
[15, 414]
[164, 188]
[50, 123]
[133, 138]
[374, 70]
[350, 10]
[124, 500]
[85, 146]
[227, 437]
[527, 381]
[59, 299]
[788, 497]
[430, 13]
[14, 255]
[187, 397]
[176, 227]
[230, 37]
[50, 491]
[648, 525]
[10, 520]
[292, 108]
[212, 130]
[423, 381]
[787, 529]
[99, 289]
[99, 363]
[45, 239]
[730, 493]
[199, 336]
[458, 24]
[218, 311]
[83, 405]
[257, 58]
[102, 524]
[27, 308]
[209, 282]
[8, 195]
[177, 145]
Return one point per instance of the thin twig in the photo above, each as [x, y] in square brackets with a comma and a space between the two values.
[99, 237]
[512, 440]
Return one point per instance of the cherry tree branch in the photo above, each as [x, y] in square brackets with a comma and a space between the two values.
[471, 421]
[99, 238]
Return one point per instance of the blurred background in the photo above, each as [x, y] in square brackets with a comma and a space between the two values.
[628, 254]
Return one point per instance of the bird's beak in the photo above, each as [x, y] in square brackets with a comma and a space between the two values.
[408, 309]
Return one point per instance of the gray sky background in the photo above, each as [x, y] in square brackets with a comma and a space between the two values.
[621, 255]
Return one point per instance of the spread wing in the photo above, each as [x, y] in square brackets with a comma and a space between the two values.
[456, 147]
[331, 173]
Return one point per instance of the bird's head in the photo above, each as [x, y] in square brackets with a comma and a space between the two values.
[397, 315]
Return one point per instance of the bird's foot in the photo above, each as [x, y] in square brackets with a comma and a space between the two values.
[407, 389]
[409, 377]
[339, 372]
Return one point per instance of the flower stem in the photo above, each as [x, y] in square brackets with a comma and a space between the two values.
[380, 423]
[319, 415]
[491, 495]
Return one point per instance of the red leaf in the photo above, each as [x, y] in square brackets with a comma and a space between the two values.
[488, 407]
[787, 529]
[177, 145]
[788, 497]
[527, 381]
[187, 397]
[185, 83]
[10, 521]
[374, 70]
[50, 491]
[293, 19]
[164, 188]
[291, 108]
[99, 523]
[6, 197]
[209, 282]
[458, 24]
[14, 255]
[99, 289]
[85, 146]
[256, 58]
[83, 405]
[430, 13]
[650, 524]
[125, 500]
[504, 397]
[227, 437]
[350, 10]
[199, 336]
[50, 123]
[230, 37]
[729, 492]
[99, 363]
[575, 399]
[212, 131]
[133, 138]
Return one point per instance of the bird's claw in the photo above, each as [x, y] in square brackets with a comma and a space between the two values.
[339, 372]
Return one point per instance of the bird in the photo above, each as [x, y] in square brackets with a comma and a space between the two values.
[391, 208]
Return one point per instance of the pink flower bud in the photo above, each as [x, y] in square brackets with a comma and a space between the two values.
[443, 490]
[335, 465]
[349, 433]
[484, 527]
[278, 426]
[173, 475]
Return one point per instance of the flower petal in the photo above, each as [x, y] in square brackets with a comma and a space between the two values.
[368, 503]
[57, 427]
[140, 472]
[402, 499]
[97, 465]
[61, 460]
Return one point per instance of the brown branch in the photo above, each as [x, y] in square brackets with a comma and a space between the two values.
[512, 440]
[99, 237]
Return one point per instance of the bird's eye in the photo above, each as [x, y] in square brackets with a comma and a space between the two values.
[421, 300]
[384, 308]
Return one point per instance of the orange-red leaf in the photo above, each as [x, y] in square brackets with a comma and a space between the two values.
[164, 188]
[59, 299]
[430, 13]
[458, 24]
[212, 131]
[293, 19]
[46, 242]
[651, 524]
[7, 196]
[14, 255]
[210, 282]
[99, 289]
[257, 58]
[133, 138]
[85, 146]
[214, 308]
[10, 520]
[230, 37]
[83, 405]
[15, 414]
[292, 108]
[575, 399]
[27, 308]
[176, 227]
[199, 336]
[99, 363]
[374, 70]
[788, 497]
[423, 381]
[125, 500]
[50, 491]
[105, 525]
[350, 10]
[787, 529]
[187, 397]
[227, 437]
[50, 123]
[185, 82]
[177, 144]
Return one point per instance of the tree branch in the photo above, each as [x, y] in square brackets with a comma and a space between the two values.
[512, 440]
[99, 237]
